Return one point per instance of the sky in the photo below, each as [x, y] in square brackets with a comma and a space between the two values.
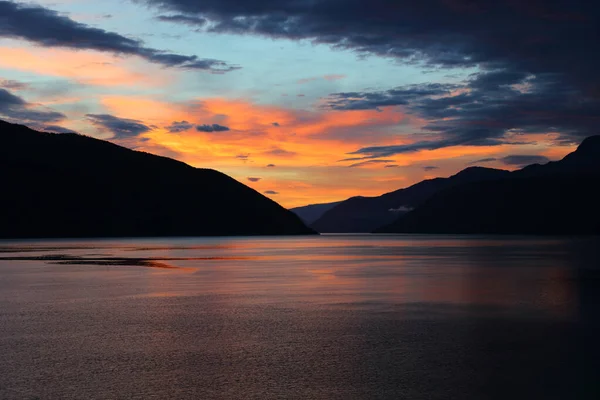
[310, 101]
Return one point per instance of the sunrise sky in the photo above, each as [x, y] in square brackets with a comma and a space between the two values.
[309, 101]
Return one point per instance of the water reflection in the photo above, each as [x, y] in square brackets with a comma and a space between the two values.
[414, 317]
[513, 272]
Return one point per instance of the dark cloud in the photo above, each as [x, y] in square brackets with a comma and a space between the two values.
[487, 112]
[538, 60]
[254, 179]
[393, 97]
[243, 157]
[430, 168]
[391, 166]
[179, 126]
[16, 109]
[48, 28]
[537, 36]
[182, 19]
[276, 124]
[120, 127]
[212, 128]
[524, 160]
[7, 99]
[271, 192]
[271, 166]
[12, 84]
[483, 160]
[351, 159]
[386, 151]
[279, 152]
[57, 129]
[370, 162]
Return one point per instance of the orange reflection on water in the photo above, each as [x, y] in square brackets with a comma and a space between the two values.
[469, 272]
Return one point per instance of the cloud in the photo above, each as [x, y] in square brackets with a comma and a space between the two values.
[16, 109]
[386, 151]
[212, 128]
[492, 108]
[271, 166]
[351, 159]
[57, 129]
[120, 127]
[392, 97]
[537, 61]
[12, 84]
[483, 160]
[276, 124]
[8, 99]
[179, 126]
[391, 166]
[369, 162]
[48, 28]
[74, 68]
[254, 179]
[271, 192]
[243, 157]
[279, 152]
[182, 19]
[430, 168]
[437, 33]
[524, 160]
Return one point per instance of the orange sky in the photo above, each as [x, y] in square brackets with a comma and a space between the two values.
[293, 154]
[306, 147]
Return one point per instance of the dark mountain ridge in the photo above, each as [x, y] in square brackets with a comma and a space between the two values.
[69, 185]
[558, 198]
[312, 212]
[365, 214]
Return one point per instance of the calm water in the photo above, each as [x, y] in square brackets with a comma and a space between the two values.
[332, 317]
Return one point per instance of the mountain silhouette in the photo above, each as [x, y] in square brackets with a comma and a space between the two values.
[69, 185]
[559, 198]
[311, 213]
[365, 214]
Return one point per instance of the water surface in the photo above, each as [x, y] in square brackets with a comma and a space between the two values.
[331, 317]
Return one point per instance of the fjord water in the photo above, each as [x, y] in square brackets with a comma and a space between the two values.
[330, 317]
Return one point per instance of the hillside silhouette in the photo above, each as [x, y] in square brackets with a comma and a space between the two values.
[69, 185]
[559, 198]
[365, 214]
[313, 212]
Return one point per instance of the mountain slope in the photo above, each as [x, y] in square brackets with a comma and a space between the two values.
[556, 198]
[311, 213]
[365, 214]
[66, 185]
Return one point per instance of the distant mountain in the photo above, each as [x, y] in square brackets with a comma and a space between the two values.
[584, 160]
[556, 198]
[365, 214]
[68, 185]
[311, 213]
